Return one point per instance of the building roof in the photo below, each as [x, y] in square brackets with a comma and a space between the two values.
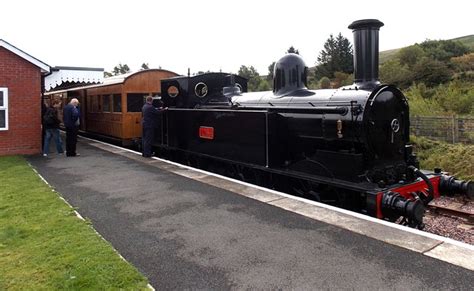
[119, 79]
[43, 66]
[72, 76]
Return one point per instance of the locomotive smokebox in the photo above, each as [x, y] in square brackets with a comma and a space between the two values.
[366, 52]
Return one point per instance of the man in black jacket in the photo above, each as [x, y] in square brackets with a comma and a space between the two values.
[51, 128]
[150, 119]
[71, 119]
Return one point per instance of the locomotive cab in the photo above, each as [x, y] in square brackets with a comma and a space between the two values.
[208, 89]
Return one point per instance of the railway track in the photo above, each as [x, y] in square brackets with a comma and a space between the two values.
[453, 210]
[451, 217]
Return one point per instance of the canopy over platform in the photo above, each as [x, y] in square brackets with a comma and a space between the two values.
[68, 77]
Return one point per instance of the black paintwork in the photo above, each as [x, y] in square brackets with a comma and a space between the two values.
[347, 144]
[366, 52]
[191, 93]
[358, 134]
[240, 135]
[290, 74]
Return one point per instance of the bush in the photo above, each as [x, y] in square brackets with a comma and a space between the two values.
[456, 97]
[431, 72]
[392, 72]
[443, 50]
[421, 103]
[410, 55]
[342, 79]
[264, 85]
[325, 83]
[457, 159]
[464, 63]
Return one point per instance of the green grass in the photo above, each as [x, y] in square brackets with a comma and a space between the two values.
[457, 159]
[44, 246]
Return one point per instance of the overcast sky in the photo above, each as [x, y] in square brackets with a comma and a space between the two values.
[213, 35]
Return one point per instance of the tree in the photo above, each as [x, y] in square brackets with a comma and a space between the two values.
[145, 66]
[336, 56]
[270, 71]
[252, 76]
[119, 70]
[443, 50]
[432, 72]
[392, 72]
[264, 85]
[201, 72]
[410, 55]
[292, 50]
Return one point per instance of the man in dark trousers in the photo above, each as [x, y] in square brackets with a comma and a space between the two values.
[71, 119]
[51, 128]
[150, 120]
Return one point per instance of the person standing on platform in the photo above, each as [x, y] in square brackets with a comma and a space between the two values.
[71, 119]
[149, 123]
[51, 129]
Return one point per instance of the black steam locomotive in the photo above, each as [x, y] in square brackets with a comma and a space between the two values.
[348, 147]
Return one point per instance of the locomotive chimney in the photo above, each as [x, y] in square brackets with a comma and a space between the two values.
[366, 52]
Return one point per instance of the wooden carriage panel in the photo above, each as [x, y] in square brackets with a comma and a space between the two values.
[105, 123]
[149, 81]
[132, 125]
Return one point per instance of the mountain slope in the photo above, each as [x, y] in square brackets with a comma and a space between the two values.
[467, 40]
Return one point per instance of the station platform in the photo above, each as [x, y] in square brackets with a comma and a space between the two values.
[189, 229]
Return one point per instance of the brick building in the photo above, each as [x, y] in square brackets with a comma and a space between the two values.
[21, 82]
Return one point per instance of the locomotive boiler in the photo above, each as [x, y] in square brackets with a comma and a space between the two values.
[348, 146]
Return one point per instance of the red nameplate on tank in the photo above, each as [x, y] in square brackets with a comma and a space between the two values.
[206, 132]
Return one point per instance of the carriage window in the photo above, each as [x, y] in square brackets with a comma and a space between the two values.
[106, 103]
[117, 102]
[135, 101]
[3, 109]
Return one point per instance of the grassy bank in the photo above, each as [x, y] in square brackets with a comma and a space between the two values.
[43, 245]
[457, 159]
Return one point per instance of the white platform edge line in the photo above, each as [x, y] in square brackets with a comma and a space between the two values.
[329, 207]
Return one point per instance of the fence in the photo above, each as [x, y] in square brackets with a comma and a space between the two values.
[447, 128]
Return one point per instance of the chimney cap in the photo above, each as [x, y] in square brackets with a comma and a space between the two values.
[366, 23]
